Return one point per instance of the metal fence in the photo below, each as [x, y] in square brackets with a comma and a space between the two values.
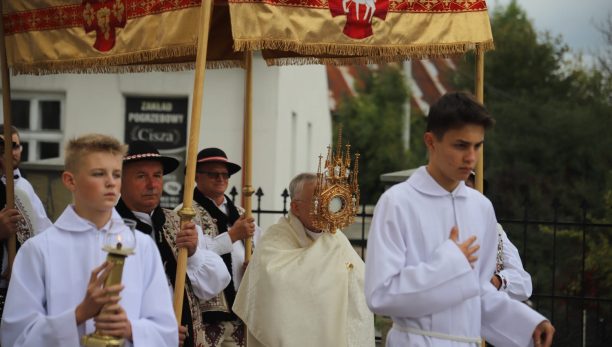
[569, 258]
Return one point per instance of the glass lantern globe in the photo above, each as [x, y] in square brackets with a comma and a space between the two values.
[121, 237]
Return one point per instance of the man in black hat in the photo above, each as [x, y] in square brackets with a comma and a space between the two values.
[224, 226]
[141, 190]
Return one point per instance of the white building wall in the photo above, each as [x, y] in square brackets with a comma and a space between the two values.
[96, 103]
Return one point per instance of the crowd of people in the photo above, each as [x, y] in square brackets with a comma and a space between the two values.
[437, 262]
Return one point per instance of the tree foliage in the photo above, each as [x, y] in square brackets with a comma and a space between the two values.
[553, 117]
[374, 121]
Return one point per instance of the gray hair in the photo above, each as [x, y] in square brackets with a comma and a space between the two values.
[297, 183]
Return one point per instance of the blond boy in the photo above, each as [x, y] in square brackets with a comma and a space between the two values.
[56, 293]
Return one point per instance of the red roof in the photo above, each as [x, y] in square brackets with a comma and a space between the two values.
[430, 78]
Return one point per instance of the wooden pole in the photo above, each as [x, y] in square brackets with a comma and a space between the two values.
[187, 212]
[8, 148]
[247, 188]
[479, 92]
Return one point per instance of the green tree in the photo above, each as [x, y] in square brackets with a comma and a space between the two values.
[553, 116]
[373, 123]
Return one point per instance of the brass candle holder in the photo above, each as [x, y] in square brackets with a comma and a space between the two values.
[119, 242]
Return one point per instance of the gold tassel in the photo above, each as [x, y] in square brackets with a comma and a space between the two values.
[351, 54]
[164, 59]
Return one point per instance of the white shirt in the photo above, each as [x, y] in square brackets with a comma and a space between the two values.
[25, 192]
[419, 277]
[50, 277]
[222, 244]
[206, 270]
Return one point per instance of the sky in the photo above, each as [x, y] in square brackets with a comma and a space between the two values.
[573, 19]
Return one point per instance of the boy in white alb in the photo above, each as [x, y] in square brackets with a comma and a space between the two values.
[56, 292]
[432, 247]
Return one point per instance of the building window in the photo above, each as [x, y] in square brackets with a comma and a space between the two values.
[49, 150]
[39, 118]
[50, 111]
[20, 110]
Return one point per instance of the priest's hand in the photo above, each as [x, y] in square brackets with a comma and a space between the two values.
[9, 219]
[543, 334]
[97, 296]
[188, 238]
[182, 335]
[113, 321]
[468, 247]
[242, 228]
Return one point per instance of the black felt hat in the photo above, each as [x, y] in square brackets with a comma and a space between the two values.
[216, 155]
[141, 150]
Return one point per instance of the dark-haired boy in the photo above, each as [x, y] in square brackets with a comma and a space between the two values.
[424, 267]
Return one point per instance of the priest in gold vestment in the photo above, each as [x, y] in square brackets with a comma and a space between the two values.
[304, 287]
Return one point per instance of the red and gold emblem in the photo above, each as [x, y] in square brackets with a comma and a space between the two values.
[104, 17]
[359, 15]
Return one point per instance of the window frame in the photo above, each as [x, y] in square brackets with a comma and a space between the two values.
[35, 135]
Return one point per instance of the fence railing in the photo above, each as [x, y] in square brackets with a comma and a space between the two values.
[570, 262]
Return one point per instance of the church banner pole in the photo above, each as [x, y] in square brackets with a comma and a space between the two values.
[8, 149]
[479, 93]
[247, 188]
[187, 212]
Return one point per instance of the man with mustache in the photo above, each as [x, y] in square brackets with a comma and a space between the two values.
[141, 190]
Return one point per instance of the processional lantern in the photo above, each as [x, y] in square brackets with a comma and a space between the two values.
[336, 197]
[119, 242]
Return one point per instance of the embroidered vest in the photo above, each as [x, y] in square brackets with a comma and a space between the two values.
[220, 303]
[167, 223]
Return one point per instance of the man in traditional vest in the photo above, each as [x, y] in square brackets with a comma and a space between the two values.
[141, 190]
[27, 219]
[225, 227]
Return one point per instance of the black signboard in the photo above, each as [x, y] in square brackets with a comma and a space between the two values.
[161, 121]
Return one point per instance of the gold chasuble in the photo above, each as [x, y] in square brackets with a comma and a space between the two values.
[303, 292]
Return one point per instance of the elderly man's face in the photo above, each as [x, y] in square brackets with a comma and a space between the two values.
[142, 185]
[17, 149]
[300, 206]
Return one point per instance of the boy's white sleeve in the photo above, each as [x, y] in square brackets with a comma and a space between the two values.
[207, 271]
[156, 324]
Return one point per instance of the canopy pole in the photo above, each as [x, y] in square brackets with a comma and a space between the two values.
[187, 212]
[247, 188]
[479, 92]
[8, 149]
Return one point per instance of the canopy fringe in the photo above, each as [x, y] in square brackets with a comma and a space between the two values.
[163, 59]
[354, 53]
